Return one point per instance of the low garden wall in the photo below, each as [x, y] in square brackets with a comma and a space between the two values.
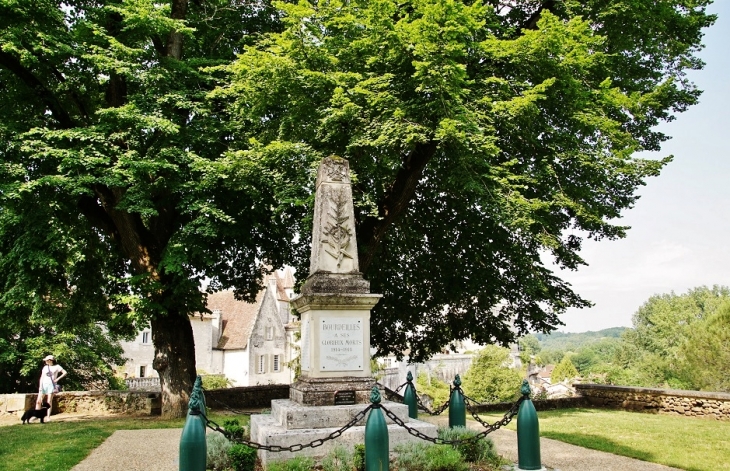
[143, 402]
[663, 401]
[91, 402]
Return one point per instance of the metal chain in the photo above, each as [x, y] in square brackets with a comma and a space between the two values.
[229, 409]
[438, 411]
[507, 418]
[439, 441]
[292, 448]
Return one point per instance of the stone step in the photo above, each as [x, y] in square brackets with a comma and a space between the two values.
[266, 431]
[293, 416]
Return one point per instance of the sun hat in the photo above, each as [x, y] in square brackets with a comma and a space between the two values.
[49, 357]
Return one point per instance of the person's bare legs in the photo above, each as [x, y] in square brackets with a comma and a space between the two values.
[50, 403]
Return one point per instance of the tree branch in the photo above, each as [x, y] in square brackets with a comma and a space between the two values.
[175, 40]
[531, 22]
[48, 98]
[394, 203]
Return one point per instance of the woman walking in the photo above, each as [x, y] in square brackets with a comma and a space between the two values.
[51, 374]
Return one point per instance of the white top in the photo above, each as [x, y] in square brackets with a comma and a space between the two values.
[54, 370]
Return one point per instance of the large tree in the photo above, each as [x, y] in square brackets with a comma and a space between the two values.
[118, 195]
[485, 137]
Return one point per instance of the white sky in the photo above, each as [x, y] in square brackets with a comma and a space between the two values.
[681, 224]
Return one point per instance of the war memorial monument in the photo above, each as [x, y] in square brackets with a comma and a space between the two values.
[335, 302]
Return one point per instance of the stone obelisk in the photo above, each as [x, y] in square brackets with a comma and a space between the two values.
[335, 301]
[335, 382]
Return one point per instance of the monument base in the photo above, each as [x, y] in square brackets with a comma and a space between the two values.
[331, 391]
[294, 424]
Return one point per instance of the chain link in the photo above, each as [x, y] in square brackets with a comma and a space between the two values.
[506, 419]
[226, 407]
[438, 411]
[439, 441]
[276, 448]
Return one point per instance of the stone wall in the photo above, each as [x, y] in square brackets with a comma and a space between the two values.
[143, 402]
[249, 397]
[90, 402]
[663, 401]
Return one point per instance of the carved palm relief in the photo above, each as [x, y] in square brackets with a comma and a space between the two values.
[338, 234]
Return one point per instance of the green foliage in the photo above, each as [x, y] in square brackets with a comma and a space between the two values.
[86, 351]
[564, 370]
[705, 354]
[529, 347]
[429, 385]
[243, 457]
[215, 381]
[653, 351]
[479, 138]
[338, 459]
[358, 457]
[234, 428]
[489, 378]
[568, 341]
[470, 449]
[420, 456]
[299, 463]
[159, 145]
[217, 452]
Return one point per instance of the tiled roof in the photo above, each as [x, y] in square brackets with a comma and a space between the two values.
[237, 318]
[287, 279]
[280, 292]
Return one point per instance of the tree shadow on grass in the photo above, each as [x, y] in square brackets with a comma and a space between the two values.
[601, 443]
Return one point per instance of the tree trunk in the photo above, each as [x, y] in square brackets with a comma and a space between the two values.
[172, 336]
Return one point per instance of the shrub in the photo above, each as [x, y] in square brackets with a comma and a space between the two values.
[214, 381]
[358, 457]
[242, 457]
[217, 456]
[234, 428]
[472, 450]
[419, 456]
[300, 463]
[411, 456]
[444, 458]
[339, 459]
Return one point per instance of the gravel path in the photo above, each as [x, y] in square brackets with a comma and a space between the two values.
[157, 449]
[136, 450]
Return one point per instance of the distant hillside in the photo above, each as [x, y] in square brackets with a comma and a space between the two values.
[573, 341]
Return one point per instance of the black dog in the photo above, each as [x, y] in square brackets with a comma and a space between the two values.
[39, 413]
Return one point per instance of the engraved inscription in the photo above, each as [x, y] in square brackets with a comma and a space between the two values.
[341, 344]
[344, 398]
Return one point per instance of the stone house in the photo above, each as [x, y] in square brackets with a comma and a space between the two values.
[249, 343]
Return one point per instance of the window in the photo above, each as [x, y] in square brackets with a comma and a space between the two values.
[276, 362]
[145, 337]
[262, 363]
[142, 371]
[269, 333]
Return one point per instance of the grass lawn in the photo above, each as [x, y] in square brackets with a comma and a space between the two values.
[680, 442]
[61, 445]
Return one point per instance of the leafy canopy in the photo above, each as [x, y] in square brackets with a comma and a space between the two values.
[484, 138]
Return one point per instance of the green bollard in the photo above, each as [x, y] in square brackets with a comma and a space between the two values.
[377, 446]
[410, 398]
[193, 447]
[457, 406]
[528, 433]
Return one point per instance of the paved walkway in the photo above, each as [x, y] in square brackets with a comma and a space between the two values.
[143, 450]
